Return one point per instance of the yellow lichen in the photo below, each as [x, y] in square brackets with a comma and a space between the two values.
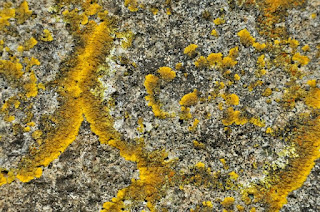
[132, 5]
[214, 33]
[200, 165]
[31, 87]
[29, 44]
[194, 125]
[301, 59]
[150, 83]
[245, 37]
[47, 36]
[305, 48]
[233, 117]
[198, 145]
[257, 121]
[201, 62]
[207, 204]
[23, 12]
[219, 21]
[167, 73]
[231, 99]
[227, 202]
[236, 77]
[215, 59]
[5, 15]
[261, 62]
[312, 83]
[267, 92]
[190, 50]
[259, 46]
[313, 98]
[189, 99]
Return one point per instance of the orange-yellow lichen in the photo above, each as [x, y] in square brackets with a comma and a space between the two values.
[198, 145]
[12, 70]
[301, 59]
[231, 99]
[201, 62]
[313, 98]
[245, 37]
[267, 92]
[257, 121]
[236, 77]
[312, 83]
[189, 99]
[261, 62]
[215, 59]
[233, 116]
[31, 87]
[132, 5]
[190, 50]
[259, 46]
[214, 33]
[47, 36]
[207, 204]
[194, 125]
[219, 21]
[167, 73]
[227, 202]
[5, 15]
[23, 12]
[150, 83]
[228, 62]
[29, 44]
[306, 48]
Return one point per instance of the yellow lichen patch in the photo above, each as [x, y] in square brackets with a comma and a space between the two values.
[240, 208]
[178, 66]
[154, 10]
[303, 60]
[127, 38]
[5, 15]
[224, 163]
[231, 99]
[257, 121]
[233, 175]
[150, 83]
[190, 50]
[306, 48]
[198, 145]
[259, 46]
[267, 92]
[312, 83]
[23, 12]
[234, 52]
[215, 59]
[245, 37]
[37, 134]
[9, 118]
[227, 202]
[232, 116]
[167, 73]
[293, 43]
[207, 204]
[29, 44]
[141, 126]
[30, 62]
[269, 130]
[185, 113]
[189, 99]
[47, 36]
[194, 125]
[12, 70]
[228, 62]
[132, 5]
[214, 33]
[236, 77]
[98, 42]
[313, 98]
[219, 21]
[287, 180]
[6, 177]
[31, 87]
[92, 9]
[200, 165]
[261, 62]
[201, 62]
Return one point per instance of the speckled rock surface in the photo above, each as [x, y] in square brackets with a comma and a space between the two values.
[90, 123]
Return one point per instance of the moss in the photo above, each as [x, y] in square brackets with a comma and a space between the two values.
[189, 99]
[167, 73]
[190, 50]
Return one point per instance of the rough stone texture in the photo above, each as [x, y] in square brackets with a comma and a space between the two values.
[88, 173]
